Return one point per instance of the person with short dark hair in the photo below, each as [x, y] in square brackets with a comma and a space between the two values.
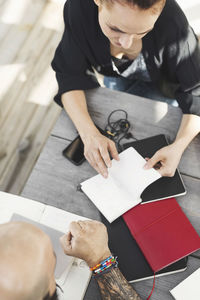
[27, 261]
[146, 48]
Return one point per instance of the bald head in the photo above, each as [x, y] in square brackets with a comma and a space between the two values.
[26, 262]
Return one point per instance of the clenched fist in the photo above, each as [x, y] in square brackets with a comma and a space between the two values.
[87, 240]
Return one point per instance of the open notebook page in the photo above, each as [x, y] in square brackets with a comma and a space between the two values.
[121, 191]
[10, 204]
[59, 219]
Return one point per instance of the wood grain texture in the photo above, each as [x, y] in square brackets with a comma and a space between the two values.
[54, 181]
[27, 112]
[166, 283]
[141, 113]
[35, 137]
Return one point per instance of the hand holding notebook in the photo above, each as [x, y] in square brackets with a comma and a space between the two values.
[121, 191]
[165, 187]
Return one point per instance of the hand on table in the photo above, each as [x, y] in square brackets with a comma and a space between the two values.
[165, 160]
[96, 150]
[87, 240]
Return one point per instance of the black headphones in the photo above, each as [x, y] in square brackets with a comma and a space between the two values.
[117, 130]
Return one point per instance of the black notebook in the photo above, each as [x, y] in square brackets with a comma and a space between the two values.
[165, 187]
[132, 262]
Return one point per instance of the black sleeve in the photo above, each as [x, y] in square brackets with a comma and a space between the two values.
[73, 70]
[188, 74]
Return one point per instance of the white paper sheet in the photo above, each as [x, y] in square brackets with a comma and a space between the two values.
[121, 191]
[58, 218]
[76, 281]
[10, 204]
[188, 288]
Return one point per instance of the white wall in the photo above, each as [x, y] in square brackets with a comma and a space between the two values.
[191, 9]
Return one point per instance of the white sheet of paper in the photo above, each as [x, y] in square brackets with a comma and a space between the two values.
[188, 288]
[58, 218]
[10, 204]
[77, 281]
[121, 191]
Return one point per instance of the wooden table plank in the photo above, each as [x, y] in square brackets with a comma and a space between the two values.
[33, 139]
[21, 20]
[147, 118]
[141, 113]
[54, 181]
[22, 63]
[166, 283]
[30, 71]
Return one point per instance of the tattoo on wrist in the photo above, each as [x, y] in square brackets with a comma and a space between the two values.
[113, 285]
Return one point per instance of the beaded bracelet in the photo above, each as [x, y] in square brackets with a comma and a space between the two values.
[111, 261]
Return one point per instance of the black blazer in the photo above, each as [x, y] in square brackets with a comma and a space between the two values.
[171, 51]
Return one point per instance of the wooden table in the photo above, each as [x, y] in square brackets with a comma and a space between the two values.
[54, 179]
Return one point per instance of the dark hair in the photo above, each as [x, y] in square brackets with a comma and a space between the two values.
[143, 4]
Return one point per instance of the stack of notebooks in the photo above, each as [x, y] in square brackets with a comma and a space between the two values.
[148, 236]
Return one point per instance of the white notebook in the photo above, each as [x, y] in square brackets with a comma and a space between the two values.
[188, 289]
[121, 191]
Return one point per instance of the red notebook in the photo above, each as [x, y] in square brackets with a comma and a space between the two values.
[162, 231]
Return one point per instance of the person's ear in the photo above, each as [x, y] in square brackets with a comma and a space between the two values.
[97, 2]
